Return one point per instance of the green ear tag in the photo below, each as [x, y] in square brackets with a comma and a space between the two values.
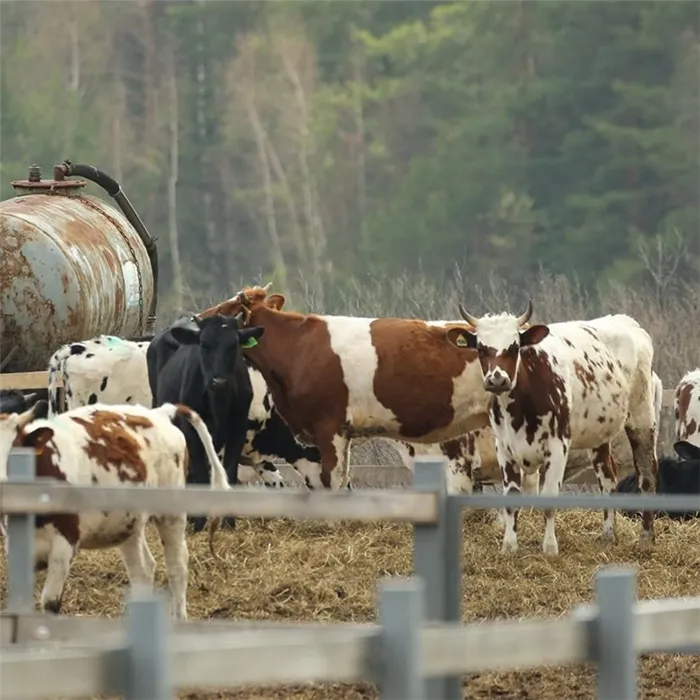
[250, 343]
[461, 341]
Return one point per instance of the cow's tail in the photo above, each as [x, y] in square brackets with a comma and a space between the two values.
[658, 398]
[56, 365]
[218, 476]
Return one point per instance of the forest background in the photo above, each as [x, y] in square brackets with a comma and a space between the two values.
[384, 158]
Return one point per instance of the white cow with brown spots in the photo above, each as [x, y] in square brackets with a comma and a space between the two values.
[564, 386]
[686, 403]
[107, 446]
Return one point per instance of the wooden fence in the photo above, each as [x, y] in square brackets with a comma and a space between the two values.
[418, 649]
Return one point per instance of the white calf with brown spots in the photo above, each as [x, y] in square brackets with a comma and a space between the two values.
[109, 445]
[686, 403]
[564, 386]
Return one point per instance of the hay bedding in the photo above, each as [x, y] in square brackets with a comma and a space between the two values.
[285, 570]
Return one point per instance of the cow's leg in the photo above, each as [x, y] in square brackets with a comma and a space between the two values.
[334, 450]
[642, 442]
[463, 459]
[346, 483]
[641, 431]
[60, 557]
[171, 530]
[148, 559]
[232, 455]
[510, 470]
[553, 469]
[605, 473]
[133, 550]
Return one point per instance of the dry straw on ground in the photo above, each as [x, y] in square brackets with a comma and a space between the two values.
[283, 570]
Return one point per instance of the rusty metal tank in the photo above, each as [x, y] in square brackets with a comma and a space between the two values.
[71, 267]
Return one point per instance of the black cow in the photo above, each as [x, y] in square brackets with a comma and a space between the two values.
[678, 477]
[198, 362]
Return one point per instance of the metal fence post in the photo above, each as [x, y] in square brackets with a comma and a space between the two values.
[21, 467]
[615, 634]
[401, 606]
[148, 664]
[437, 559]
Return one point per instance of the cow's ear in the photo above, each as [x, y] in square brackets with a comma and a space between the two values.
[686, 450]
[533, 335]
[37, 438]
[186, 332]
[275, 301]
[248, 337]
[461, 338]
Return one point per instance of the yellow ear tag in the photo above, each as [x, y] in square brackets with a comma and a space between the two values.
[461, 341]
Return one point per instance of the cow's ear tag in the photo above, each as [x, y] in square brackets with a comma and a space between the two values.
[250, 343]
[461, 341]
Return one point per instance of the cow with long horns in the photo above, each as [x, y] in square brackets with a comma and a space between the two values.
[564, 386]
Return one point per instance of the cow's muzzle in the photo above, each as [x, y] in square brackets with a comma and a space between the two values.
[497, 383]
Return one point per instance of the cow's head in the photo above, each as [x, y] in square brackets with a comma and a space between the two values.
[246, 302]
[497, 339]
[12, 427]
[220, 339]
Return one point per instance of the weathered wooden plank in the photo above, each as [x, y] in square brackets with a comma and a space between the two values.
[242, 501]
[667, 622]
[87, 630]
[504, 645]
[69, 673]
[315, 657]
[7, 629]
[324, 653]
[25, 381]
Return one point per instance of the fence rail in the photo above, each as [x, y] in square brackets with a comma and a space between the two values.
[419, 649]
[229, 658]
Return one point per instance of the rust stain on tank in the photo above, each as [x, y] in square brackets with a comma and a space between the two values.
[67, 272]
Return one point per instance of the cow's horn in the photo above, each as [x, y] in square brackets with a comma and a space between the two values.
[467, 316]
[522, 320]
[266, 288]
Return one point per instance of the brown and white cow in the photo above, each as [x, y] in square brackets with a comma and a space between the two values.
[563, 386]
[107, 446]
[686, 402]
[334, 378]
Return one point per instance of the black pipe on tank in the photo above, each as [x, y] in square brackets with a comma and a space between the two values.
[114, 190]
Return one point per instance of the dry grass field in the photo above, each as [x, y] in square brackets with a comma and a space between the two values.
[302, 571]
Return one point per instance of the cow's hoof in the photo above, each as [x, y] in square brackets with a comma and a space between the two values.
[228, 524]
[550, 548]
[509, 547]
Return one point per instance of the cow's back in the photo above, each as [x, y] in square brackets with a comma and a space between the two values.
[598, 386]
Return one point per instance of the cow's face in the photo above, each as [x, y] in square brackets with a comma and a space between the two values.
[11, 426]
[497, 340]
[220, 339]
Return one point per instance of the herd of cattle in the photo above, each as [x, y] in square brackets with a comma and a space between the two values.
[249, 383]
